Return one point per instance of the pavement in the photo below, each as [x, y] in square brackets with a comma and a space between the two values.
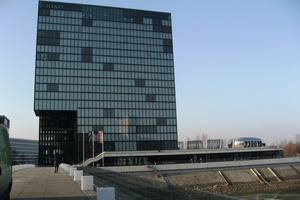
[41, 183]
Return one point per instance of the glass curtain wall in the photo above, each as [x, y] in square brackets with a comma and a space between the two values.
[113, 67]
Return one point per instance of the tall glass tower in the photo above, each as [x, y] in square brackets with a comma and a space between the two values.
[103, 69]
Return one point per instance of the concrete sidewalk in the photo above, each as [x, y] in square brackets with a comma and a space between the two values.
[43, 183]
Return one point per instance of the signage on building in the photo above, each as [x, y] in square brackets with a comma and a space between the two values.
[55, 6]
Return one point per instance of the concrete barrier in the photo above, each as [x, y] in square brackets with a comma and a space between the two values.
[207, 165]
[20, 167]
[71, 171]
[107, 193]
[87, 182]
[68, 168]
[77, 175]
[65, 166]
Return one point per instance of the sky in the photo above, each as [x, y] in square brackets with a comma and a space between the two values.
[237, 65]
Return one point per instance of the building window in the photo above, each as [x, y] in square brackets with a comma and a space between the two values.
[162, 29]
[87, 50]
[48, 41]
[48, 34]
[97, 128]
[53, 56]
[52, 87]
[146, 129]
[161, 121]
[86, 54]
[44, 12]
[46, 37]
[108, 112]
[167, 46]
[87, 22]
[139, 82]
[47, 56]
[150, 97]
[108, 66]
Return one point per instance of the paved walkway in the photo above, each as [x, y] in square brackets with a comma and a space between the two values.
[43, 183]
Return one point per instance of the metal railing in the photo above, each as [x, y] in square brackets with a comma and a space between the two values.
[91, 160]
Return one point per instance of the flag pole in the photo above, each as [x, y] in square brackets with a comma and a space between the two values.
[93, 150]
[82, 147]
[102, 148]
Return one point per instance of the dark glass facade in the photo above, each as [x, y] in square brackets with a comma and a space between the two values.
[103, 69]
[190, 157]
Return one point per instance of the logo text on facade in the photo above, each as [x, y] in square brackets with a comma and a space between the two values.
[55, 6]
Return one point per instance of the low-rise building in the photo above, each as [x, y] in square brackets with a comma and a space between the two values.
[215, 144]
[180, 145]
[195, 144]
[24, 151]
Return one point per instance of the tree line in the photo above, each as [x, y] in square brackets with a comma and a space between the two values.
[291, 147]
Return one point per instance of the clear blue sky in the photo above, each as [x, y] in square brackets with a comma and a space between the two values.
[237, 65]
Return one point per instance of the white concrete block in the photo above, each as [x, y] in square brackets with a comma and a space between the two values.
[107, 193]
[63, 165]
[68, 169]
[71, 171]
[77, 175]
[87, 182]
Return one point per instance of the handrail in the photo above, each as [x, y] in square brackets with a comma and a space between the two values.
[90, 160]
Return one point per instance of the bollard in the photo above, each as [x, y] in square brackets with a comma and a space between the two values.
[68, 169]
[65, 167]
[106, 193]
[87, 183]
[77, 175]
[71, 171]
[62, 165]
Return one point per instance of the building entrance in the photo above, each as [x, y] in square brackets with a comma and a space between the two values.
[57, 135]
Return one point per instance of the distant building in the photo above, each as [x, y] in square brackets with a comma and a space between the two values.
[180, 145]
[24, 151]
[245, 142]
[195, 144]
[188, 156]
[215, 144]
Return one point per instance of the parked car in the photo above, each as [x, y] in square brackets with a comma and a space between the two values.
[5, 164]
